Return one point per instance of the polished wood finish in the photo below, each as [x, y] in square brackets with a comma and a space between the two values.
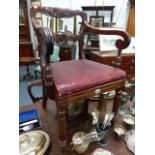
[46, 39]
[131, 19]
[127, 61]
[25, 60]
[131, 22]
[25, 49]
[49, 125]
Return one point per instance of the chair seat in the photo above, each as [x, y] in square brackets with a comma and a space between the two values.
[70, 77]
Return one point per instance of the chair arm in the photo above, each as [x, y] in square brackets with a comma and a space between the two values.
[120, 44]
[29, 89]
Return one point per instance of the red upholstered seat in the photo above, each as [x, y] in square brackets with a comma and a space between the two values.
[73, 76]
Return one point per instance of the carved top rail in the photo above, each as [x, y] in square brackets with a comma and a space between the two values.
[57, 12]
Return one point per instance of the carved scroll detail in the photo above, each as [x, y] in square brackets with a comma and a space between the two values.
[120, 44]
[57, 12]
[46, 45]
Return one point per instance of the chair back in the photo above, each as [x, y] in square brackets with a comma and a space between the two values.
[58, 13]
[46, 37]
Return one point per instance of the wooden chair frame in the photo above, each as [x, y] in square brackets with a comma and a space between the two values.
[46, 39]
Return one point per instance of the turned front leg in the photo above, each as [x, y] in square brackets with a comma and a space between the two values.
[62, 127]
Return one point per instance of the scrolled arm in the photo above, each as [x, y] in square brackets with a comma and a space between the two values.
[120, 44]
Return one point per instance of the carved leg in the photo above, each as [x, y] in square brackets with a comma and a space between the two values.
[62, 127]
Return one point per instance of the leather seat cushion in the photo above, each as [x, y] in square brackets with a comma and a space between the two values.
[76, 75]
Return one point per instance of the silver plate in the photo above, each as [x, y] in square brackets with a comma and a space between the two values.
[101, 151]
[129, 119]
[130, 140]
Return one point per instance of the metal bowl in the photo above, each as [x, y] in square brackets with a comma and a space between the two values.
[33, 142]
[119, 130]
[129, 120]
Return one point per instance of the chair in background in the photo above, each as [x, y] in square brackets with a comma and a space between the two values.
[67, 82]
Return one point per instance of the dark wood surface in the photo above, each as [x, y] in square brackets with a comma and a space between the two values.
[25, 49]
[131, 22]
[49, 125]
[127, 62]
[26, 60]
[65, 54]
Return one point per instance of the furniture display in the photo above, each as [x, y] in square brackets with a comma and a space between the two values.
[68, 82]
[49, 125]
[26, 56]
[127, 61]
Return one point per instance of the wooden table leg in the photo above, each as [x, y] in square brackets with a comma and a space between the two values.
[62, 127]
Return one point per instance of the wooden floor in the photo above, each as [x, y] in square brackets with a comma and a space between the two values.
[49, 125]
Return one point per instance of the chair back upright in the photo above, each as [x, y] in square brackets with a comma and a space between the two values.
[57, 37]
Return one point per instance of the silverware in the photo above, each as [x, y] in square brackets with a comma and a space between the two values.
[111, 116]
[108, 117]
[27, 128]
[91, 136]
[29, 122]
[105, 119]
